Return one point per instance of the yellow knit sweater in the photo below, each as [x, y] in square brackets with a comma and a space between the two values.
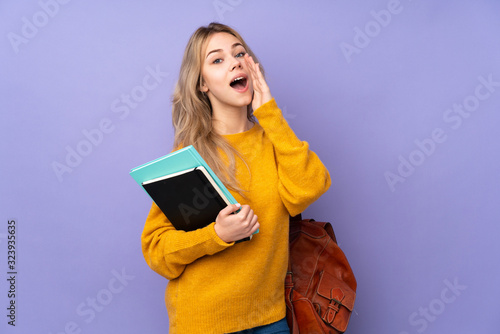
[218, 287]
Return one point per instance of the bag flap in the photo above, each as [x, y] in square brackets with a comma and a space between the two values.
[330, 287]
[308, 227]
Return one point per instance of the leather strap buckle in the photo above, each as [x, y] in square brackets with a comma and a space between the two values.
[333, 307]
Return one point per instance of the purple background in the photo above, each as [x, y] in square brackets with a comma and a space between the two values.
[366, 90]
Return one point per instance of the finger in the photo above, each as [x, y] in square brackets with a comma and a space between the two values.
[248, 61]
[243, 213]
[258, 78]
[249, 222]
[255, 228]
[230, 209]
[248, 215]
[254, 220]
[254, 69]
[255, 66]
[251, 68]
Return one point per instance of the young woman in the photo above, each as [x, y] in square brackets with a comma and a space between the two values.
[217, 285]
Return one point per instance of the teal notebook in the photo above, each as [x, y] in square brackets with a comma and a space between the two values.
[175, 162]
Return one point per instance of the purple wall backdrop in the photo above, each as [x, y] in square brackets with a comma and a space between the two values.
[401, 100]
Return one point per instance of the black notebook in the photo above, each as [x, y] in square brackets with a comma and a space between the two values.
[190, 199]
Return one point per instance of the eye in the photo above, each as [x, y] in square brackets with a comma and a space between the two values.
[217, 61]
[240, 54]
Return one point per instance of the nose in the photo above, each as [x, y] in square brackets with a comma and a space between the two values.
[237, 64]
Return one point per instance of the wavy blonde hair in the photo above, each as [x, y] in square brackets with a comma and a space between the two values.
[192, 110]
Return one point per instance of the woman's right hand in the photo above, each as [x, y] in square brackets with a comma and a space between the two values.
[233, 227]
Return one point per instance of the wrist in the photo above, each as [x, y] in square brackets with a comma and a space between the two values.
[266, 97]
[220, 233]
[262, 101]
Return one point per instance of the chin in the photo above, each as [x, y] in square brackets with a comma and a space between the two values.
[248, 98]
[243, 101]
[248, 101]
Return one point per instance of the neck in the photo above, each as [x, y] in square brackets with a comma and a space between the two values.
[231, 120]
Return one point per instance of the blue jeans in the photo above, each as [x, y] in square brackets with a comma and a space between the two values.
[279, 327]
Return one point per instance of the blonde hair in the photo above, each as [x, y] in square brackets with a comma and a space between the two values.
[192, 110]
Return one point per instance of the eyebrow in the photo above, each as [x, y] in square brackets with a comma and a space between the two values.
[218, 50]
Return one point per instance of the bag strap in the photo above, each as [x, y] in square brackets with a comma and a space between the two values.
[289, 288]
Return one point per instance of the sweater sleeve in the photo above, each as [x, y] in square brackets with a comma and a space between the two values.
[302, 176]
[167, 251]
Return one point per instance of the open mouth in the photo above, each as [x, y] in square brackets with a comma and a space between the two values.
[239, 83]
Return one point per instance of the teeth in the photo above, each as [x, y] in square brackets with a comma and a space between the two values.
[240, 78]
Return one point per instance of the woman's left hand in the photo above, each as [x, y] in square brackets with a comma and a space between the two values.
[261, 91]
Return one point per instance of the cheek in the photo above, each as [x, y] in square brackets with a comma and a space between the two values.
[215, 80]
[219, 81]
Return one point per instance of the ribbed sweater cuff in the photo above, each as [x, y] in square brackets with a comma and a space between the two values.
[276, 127]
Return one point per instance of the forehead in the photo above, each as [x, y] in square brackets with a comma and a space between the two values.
[220, 40]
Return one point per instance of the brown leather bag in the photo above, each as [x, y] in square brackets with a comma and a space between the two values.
[320, 287]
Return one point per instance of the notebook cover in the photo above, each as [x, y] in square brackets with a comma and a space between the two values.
[189, 200]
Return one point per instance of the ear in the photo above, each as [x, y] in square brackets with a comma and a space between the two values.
[203, 87]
